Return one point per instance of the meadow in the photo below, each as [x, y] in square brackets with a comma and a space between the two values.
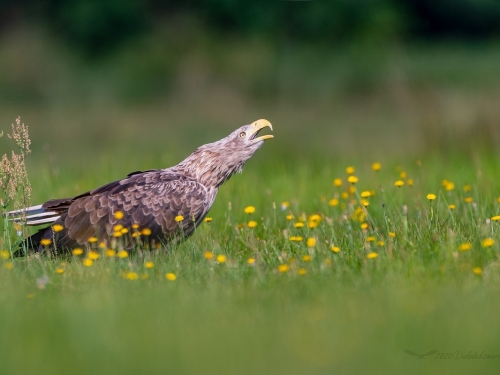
[338, 249]
[323, 275]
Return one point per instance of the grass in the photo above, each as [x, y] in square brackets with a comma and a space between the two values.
[321, 312]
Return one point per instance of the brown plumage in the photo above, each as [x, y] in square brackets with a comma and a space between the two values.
[150, 200]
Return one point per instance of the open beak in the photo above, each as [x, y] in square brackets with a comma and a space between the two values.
[256, 127]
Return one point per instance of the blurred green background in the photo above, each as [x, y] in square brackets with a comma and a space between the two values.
[344, 78]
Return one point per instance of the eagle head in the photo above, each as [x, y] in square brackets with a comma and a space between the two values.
[214, 163]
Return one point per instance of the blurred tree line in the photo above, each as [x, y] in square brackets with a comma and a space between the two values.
[96, 26]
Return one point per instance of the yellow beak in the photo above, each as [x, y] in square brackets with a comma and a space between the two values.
[257, 126]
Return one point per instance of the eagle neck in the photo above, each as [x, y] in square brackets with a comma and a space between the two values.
[209, 168]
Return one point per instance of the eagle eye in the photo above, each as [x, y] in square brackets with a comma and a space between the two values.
[243, 134]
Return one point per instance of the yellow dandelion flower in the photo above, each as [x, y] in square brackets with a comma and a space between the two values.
[376, 166]
[335, 249]
[349, 170]
[465, 246]
[351, 189]
[207, 219]
[498, 199]
[333, 202]
[495, 218]
[88, 262]
[468, 199]
[409, 182]
[4, 254]
[131, 275]
[477, 270]
[370, 239]
[249, 209]
[315, 217]
[467, 188]
[380, 243]
[110, 253]
[289, 217]
[306, 258]
[344, 195]
[372, 255]
[94, 255]
[117, 234]
[135, 226]
[285, 205]
[45, 241]
[283, 268]
[312, 224]
[57, 227]
[149, 264]
[221, 258]
[124, 231]
[311, 242]
[252, 224]
[452, 206]
[359, 214]
[449, 186]
[298, 225]
[208, 255]
[179, 218]
[8, 265]
[60, 270]
[352, 179]
[399, 183]
[146, 232]
[122, 254]
[431, 197]
[488, 242]
[118, 215]
[337, 182]
[364, 226]
[118, 227]
[170, 276]
[402, 175]
[77, 251]
[365, 203]
[392, 234]
[296, 238]
[365, 194]
[251, 260]
[302, 271]
[92, 239]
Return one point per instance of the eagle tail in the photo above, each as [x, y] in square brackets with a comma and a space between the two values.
[34, 215]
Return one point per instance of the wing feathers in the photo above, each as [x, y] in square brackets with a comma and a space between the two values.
[151, 200]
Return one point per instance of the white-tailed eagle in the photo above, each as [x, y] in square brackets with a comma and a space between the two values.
[153, 207]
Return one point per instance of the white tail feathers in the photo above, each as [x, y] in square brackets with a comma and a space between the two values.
[34, 215]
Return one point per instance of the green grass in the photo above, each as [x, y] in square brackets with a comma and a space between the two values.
[347, 313]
